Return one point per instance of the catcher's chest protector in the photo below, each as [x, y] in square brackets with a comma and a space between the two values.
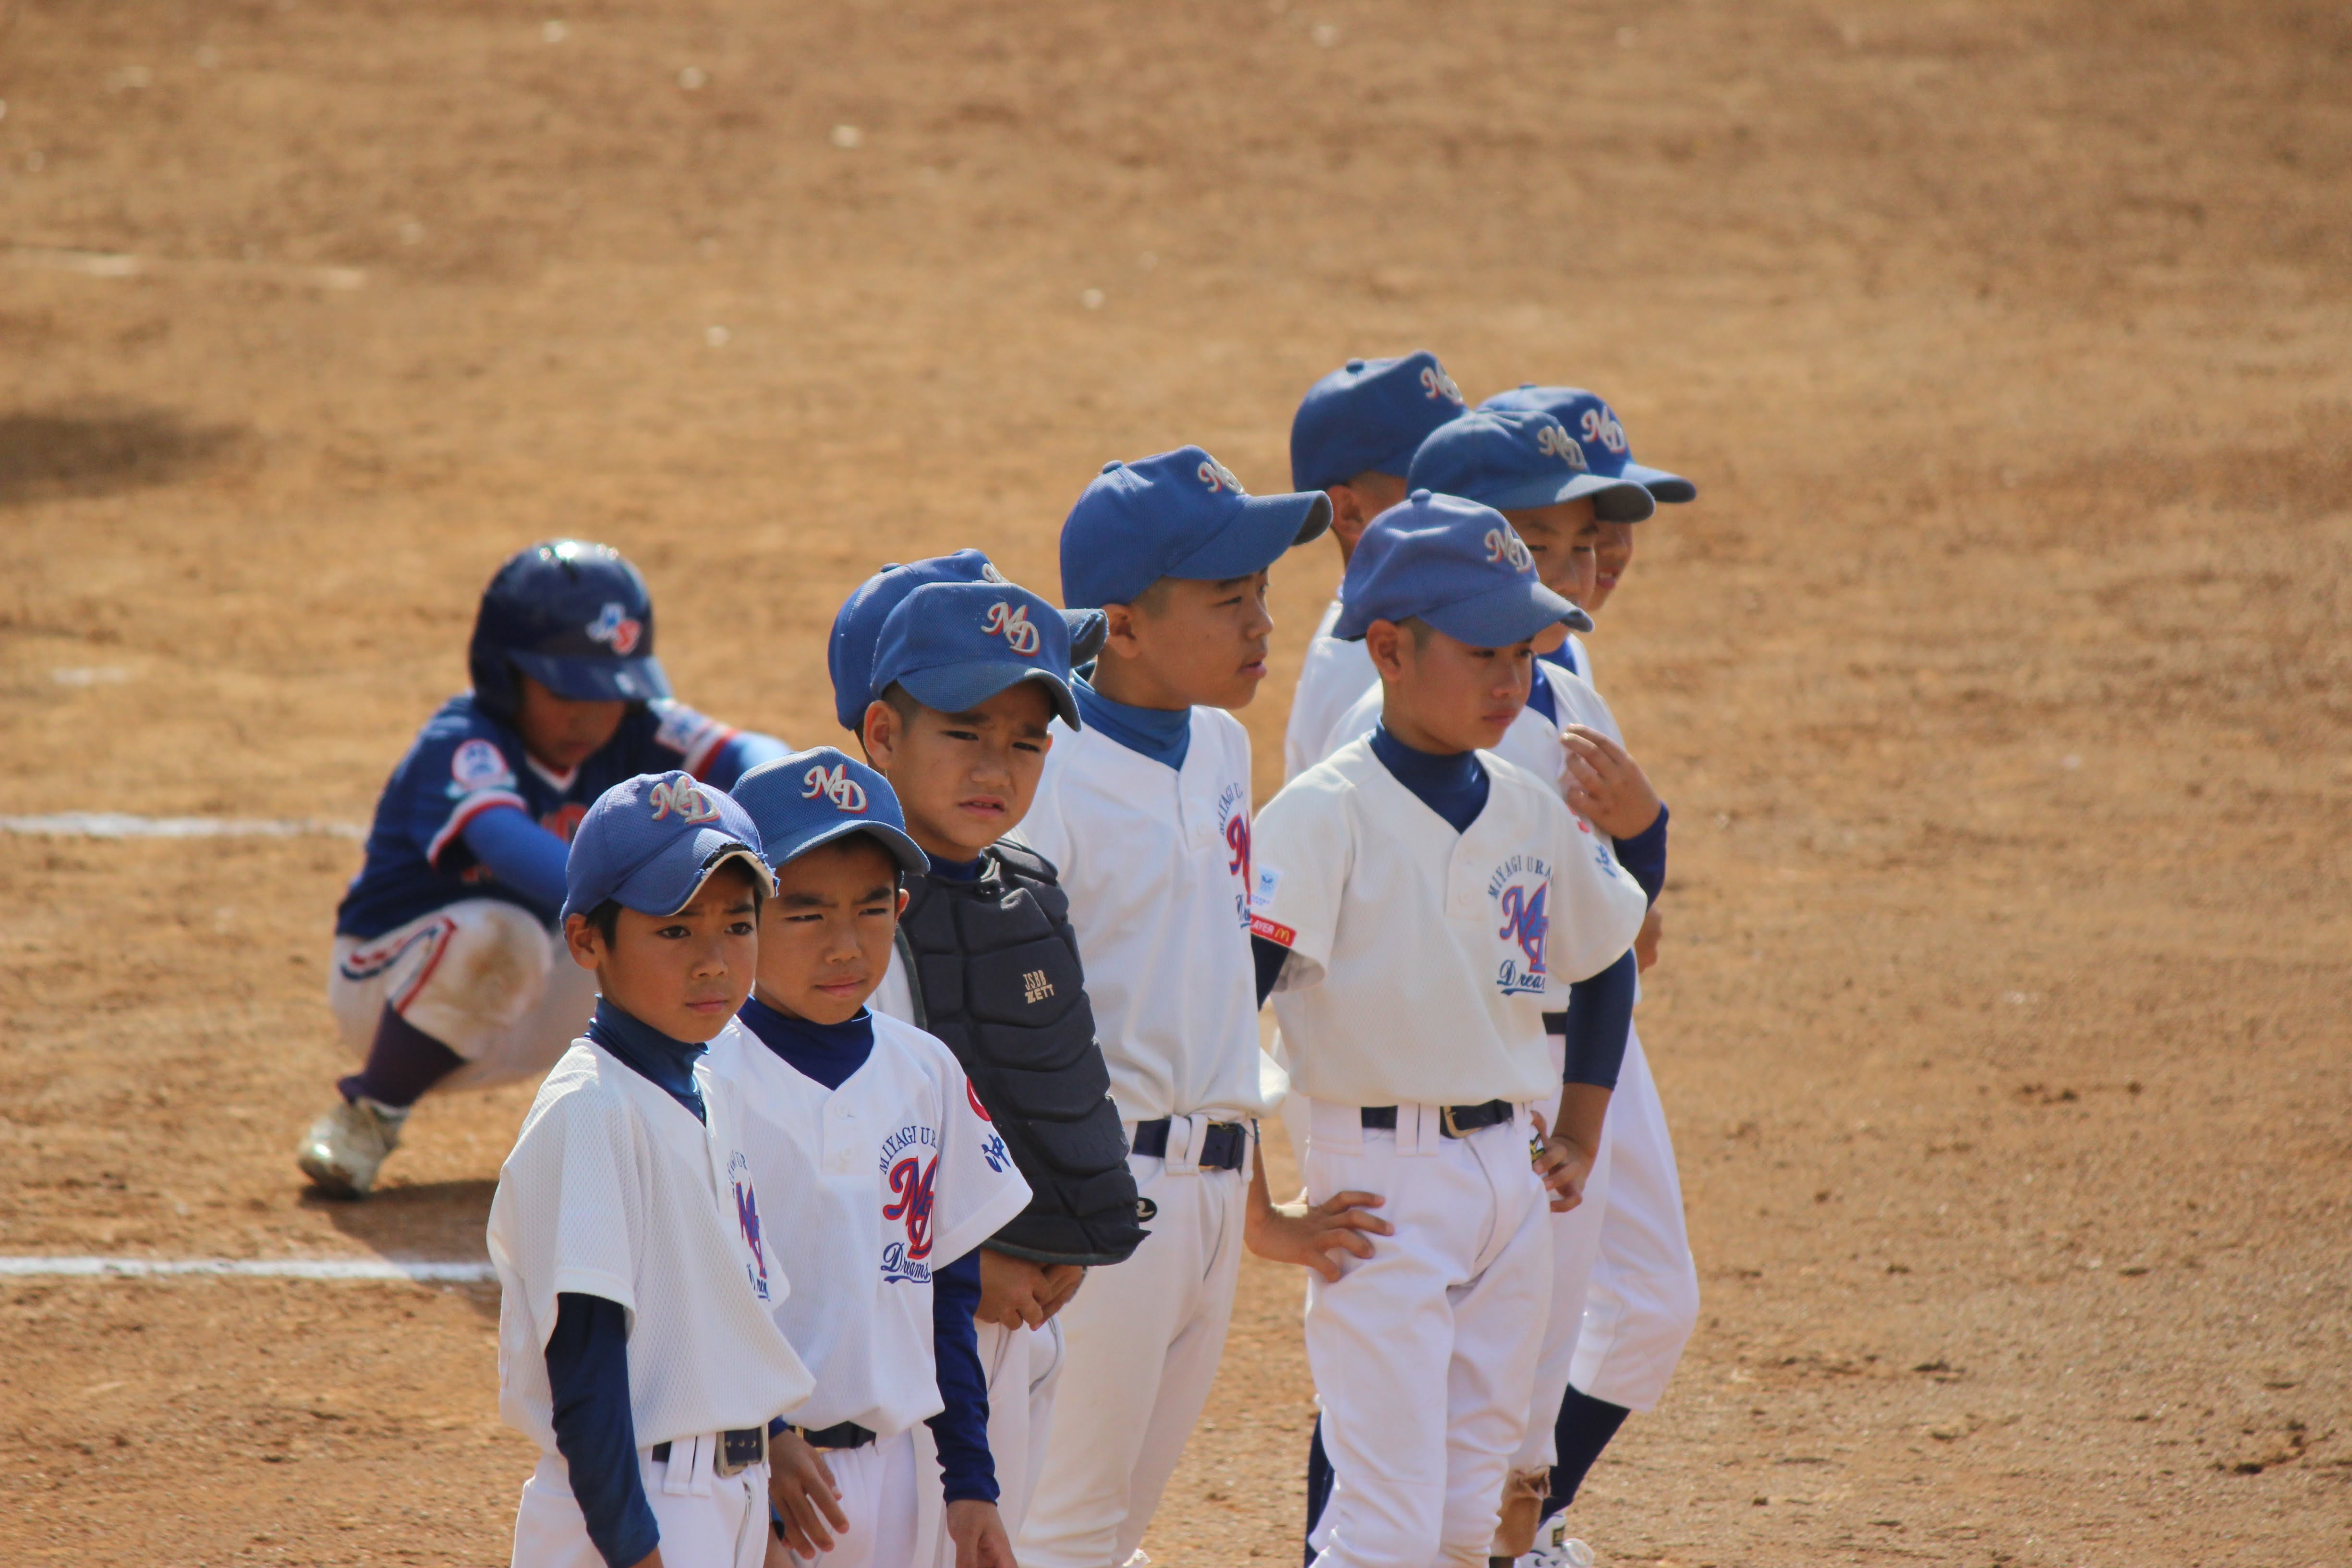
[994, 966]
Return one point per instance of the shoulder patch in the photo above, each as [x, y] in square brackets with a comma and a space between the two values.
[477, 764]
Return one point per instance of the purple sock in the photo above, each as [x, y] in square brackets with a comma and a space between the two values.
[402, 1064]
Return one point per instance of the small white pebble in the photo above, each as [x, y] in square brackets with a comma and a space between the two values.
[553, 32]
[412, 232]
[1092, 299]
[207, 57]
[1324, 34]
[715, 336]
[2070, 762]
[692, 77]
[1149, 260]
[847, 136]
[1627, 38]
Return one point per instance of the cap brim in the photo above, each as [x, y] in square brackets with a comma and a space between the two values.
[596, 680]
[669, 881]
[961, 688]
[1613, 500]
[1089, 629]
[1671, 489]
[903, 849]
[1507, 615]
[1263, 530]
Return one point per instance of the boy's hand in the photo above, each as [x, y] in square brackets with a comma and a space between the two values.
[978, 1532]
[1646, 941]
[1565, 1167]
[1294, 1233]
[1013, 1291]
[800, 1483]
[1062, 1282]
[1604, 785]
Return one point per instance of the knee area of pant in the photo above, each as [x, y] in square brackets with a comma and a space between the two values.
[497, 961]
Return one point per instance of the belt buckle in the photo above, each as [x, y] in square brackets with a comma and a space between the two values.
[740, 1450]
[1445, 1121]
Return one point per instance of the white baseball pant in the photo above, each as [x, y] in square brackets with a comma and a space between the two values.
[878, 1495]
[1422, 1352]
[1021, 1366]
[1642, 1301]
[1142, 1341]
[1575, 1248]
[706, 1520]
[481, 976]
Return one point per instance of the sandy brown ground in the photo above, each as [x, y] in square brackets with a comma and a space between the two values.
[1997, 681]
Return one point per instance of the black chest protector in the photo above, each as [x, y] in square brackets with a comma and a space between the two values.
[994, 966]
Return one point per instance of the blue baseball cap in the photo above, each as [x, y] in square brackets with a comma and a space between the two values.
[1176, 514]
[953, 646]
[1368, 414]
[651, 841]
[815, 796]
[1514, 458]
[857, 627]
[1455, 564]
[1597, 429]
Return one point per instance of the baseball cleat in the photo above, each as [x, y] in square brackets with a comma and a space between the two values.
[346, 1147]
[1556, 1548]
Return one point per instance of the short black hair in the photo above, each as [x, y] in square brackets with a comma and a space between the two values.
[902, 702]
[606, 918]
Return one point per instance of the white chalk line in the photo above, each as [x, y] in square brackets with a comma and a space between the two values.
[122, 825]
[424, 1270]
[119, 264]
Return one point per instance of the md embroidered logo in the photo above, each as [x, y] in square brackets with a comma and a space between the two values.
[911, 1182]
[1218, 476]
[681, 799]
[1036, 987]
[1554, 441]
[1436, 383]
[747, 1217]
[989, 573]
[616, 628]
[1521, 888]
[1232, 805]
[1011, 622]
[1504, 544]
[834, 783]
[1600, 425]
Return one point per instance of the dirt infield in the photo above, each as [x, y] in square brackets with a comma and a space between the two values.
[2000, 680]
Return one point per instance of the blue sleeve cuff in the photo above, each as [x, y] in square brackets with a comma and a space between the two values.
[738, 756]
[1600, 1015]
[1643, 856]
[588, 1373]
[967, 1471]
[519, 853]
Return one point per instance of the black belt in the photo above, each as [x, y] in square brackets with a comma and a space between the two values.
[1454, 1120]
[847, 1434]
[1224, 1147]
[738, 1450]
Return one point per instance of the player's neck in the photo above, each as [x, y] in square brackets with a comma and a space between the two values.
[1130, 684]
[1414, 735]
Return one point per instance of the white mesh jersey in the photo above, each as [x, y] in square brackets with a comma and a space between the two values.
[613, 1189]
[1157, 864]
[1419, 956]
[1333, 675]
[870, 1187]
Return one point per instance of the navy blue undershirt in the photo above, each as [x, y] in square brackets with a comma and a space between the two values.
[1451, 783]
[955, 870]
[1541, 700]
[1163, 734]
[1563, 656]
[830, 1054]
[588, 1349]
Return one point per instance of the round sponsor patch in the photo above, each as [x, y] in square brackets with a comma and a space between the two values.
[477, 764]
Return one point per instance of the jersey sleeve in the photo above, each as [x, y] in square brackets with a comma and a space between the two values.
[978, 1190]
[1302, 851]
[682, 738]
[1597, 908]
[457, 771]
[575, 1214]
[1045, 829]
[1358, 719]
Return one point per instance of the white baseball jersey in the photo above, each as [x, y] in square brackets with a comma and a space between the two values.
[1420, 957]
[1333, 675]
[1156, 861]
[870, 1187]
[613, 1189]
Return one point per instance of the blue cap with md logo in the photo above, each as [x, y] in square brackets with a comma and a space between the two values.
[1597, 429]
[857, 627]
[649, 843]
[1455, 564]
[1368, 415]
[1512, 457]
[953, 646]
[1176, 514]
[815, 796]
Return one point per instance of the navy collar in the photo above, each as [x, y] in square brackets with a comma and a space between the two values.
[829, 1053]
[668, 1064]
[1451, 783]
[957, 870]
[1163, 734]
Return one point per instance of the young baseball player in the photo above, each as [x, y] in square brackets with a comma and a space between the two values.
[1642, 1301]
[953, 677]
[1146, 812]
[1425, 893]
[1353, 438]
[883, 1173]
[635, 1340]
[446, 970]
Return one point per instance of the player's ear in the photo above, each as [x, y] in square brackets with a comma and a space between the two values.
[878, 735]
[1383, 640]
[1119, 631]
[901, 913]
[1349, 516]
[584, 941]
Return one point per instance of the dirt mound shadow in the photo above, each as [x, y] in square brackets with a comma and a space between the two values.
[91, 451]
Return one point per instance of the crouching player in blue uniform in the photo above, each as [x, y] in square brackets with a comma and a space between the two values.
[446, 967]
[881, 1174]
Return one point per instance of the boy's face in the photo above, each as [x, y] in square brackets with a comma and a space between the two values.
[1355, 503]
[562, 732]
[824, 938]
[1613, 555]
[686, 974]
[1186, 643]
[1562, 537]
[964, 780]
[1441, 694]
